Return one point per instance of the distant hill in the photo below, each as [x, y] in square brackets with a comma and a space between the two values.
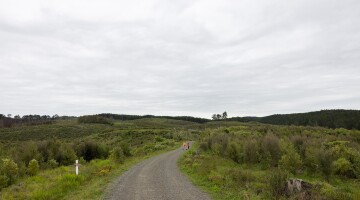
[132, 117]
[349, 119]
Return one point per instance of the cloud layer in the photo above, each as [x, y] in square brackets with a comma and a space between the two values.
[179, 57]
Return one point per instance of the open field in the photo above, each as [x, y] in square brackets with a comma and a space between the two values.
[62, 142]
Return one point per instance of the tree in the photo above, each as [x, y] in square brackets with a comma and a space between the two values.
[56, 116]
[218, 116]
[214, 117]
[10, 170]
[224, 115]
[33, 167]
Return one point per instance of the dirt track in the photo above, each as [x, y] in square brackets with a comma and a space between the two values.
[157, 178]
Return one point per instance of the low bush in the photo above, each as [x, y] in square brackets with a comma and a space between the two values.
[90, 150]
[290, 160]
[276, 183]
[117, 155]
[343, 167]
[66, 155]
[126, 149]
[234, 152]
[33, 167]
[9, 171]
[251, 150]
[52, 164]
[270, 146]
[325, 159]
[159, 139]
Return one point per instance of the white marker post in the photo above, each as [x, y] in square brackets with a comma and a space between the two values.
[77, 167]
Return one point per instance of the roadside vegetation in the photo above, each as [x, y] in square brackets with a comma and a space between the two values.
[37, 162]
[256, 161]
[231, 159]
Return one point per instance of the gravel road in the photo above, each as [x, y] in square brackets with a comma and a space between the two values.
[157, 178]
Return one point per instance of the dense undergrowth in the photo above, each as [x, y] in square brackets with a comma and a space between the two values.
[36, 162]
[254, 161]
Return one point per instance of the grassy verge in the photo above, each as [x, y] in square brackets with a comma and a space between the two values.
[62, 183]
[210, 173]
[223, 179]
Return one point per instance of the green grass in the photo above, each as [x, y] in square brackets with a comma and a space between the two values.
[62, 183]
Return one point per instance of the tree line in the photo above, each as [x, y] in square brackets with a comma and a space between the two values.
[9, 121]
[133, 117]
[349, 119]
[218, 117]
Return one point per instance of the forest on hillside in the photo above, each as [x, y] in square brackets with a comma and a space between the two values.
[349, 119]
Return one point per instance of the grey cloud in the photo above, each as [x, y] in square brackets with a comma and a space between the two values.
[179, 57]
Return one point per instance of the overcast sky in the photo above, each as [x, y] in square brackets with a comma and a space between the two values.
[179, 57]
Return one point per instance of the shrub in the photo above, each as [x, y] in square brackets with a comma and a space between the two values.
[233, 152]
[270, 146]
[276, 181]
[29, 151]
[49, 149]
[298, 142]
[22, 169]
[325, 160]
[333, 193]
[9, 169]
[52, 164]
[251, 151]
[311, 163]
[90, 150]
[4, 181]
[204, 146]
[290, 160]
[82, 160]
[126, 149]
[66, 155]
[117, 155]
[168, 135]
[33, 167]
[159, 139]
[217, 149]
[343, 167]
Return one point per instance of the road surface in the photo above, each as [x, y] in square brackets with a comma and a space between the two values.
[157, 178]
